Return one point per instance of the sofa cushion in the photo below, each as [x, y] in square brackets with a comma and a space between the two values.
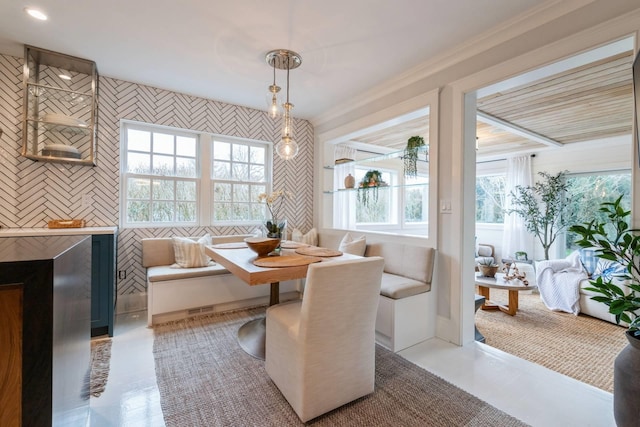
[352, 245]
[190, 253]
[397, 287]
[165, 272]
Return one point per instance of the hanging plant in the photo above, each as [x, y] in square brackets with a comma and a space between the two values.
[411, 156]
[370, 181]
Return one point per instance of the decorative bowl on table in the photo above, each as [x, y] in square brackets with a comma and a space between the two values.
[262, 245]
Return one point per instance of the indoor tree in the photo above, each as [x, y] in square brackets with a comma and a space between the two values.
[544, 208]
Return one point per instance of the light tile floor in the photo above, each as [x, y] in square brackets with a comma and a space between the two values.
[534, 394]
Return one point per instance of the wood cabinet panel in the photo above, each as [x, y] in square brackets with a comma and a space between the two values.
[11, 297]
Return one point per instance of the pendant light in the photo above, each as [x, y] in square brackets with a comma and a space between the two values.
[284, 59]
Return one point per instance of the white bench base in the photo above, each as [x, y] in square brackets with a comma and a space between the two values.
[402, 323]
[177, 299]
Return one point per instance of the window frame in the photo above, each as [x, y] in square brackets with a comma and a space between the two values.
[268, 174]
[203, 179]
[478, 176]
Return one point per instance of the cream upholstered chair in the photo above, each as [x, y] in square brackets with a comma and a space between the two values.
[320, 351]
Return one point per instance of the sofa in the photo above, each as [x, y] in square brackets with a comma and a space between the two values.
[407, 304]
[579, 269]
[175, 293]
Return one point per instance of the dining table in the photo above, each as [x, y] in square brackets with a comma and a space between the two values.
[287, 264]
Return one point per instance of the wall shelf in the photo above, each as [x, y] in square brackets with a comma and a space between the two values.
[60, 108]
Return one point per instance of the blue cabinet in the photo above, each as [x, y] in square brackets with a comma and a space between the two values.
[103, 271]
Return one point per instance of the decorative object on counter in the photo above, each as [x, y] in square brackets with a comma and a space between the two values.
[511, 272]
[371, 181]
[263, 246]
[349, 181]
[414, 144]
[487, 267]
[66, 223]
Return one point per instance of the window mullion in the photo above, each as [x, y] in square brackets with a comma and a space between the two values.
[205, 196]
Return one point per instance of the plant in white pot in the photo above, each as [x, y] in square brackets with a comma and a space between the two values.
[615, 241]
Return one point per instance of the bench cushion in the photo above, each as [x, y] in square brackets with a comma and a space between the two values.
[397, 287]
[165, 272]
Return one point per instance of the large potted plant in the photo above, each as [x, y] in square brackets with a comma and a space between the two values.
[615, 241]
[543, 208]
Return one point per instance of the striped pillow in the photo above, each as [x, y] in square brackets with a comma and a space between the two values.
[190, 253]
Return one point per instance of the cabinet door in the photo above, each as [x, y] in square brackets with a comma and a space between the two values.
[102, 284]
[11, 355]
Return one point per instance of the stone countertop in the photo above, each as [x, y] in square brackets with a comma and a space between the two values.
[30, 232]
[20, 249]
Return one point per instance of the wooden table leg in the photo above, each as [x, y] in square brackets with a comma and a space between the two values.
[274, 295]
[510, 309]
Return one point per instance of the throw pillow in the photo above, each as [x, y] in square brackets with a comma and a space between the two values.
[589, 260]
[311, 238]
[190, 253]
[353, 246]
[608, 269]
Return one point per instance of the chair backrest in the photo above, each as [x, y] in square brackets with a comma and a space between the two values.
[340, 303]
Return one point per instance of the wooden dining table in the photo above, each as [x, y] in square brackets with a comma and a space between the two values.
[240, 262]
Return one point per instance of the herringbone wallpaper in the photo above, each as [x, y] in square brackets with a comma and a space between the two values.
[35, 192]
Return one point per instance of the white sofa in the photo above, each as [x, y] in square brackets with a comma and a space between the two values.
[407, 306]
[579, 262]
[595, 308]
[175, 293]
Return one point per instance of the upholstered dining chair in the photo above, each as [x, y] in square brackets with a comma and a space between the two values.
[320, 351]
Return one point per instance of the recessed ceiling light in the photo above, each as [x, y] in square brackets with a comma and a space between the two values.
[64, 76]
[35, 13]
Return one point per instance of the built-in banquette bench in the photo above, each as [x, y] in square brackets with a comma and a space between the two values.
[406, 310]
[175, 293]
[407, 305]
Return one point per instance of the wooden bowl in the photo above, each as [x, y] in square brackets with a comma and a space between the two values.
[262, 245]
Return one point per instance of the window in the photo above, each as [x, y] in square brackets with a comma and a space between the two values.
[588, 191]
[490, 199]
[162, 185]
[380, 212]
[239, 175]
[416, 200]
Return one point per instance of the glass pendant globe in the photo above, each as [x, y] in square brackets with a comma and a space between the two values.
[287, 148]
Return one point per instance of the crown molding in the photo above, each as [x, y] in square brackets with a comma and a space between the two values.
[508, 30]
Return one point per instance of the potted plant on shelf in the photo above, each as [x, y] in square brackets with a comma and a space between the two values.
[370, 181]
[487, 267]
[616, 241]
[410, 157]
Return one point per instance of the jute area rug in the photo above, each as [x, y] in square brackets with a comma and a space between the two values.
[100, 357]
[206, 379]
[581, 347]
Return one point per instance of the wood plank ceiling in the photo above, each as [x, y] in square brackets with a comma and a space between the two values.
[585, 103]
